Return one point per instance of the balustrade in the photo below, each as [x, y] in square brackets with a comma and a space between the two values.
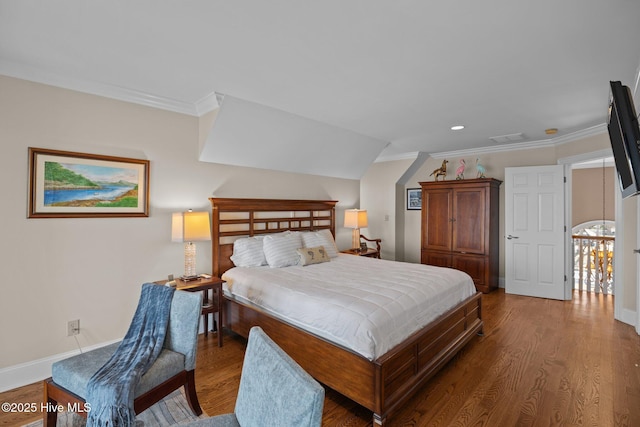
[593, 263]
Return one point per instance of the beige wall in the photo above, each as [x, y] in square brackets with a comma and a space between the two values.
[588, 198]
[91, 269]
[627, 245]
[495, 164]
[378, 197]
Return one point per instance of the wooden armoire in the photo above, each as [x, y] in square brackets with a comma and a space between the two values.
[460, 228]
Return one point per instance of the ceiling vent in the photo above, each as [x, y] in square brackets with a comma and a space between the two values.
[505, 139]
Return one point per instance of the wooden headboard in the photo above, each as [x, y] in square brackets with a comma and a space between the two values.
[236, 218]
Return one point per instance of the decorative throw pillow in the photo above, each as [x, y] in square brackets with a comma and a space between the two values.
[324, 238]
[280, 250]
[248, 252]
[315, 255]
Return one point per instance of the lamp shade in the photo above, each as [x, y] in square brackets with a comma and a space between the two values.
[355, 218]
[190, 227]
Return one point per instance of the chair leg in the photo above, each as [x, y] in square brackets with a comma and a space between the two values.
[50, 417]
[190, 393]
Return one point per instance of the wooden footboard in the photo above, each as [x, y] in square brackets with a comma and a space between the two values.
[382, 385]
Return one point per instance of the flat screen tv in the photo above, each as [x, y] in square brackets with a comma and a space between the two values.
[624, 134]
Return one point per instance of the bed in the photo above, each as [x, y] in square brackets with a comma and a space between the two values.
[379, 382]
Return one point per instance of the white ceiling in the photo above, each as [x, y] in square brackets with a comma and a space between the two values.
[394, 74]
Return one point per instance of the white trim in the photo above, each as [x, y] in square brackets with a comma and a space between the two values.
[589, 224]
[494, 149]
[575, 136]
[628, 316]
[568, 241]
[23, 72]
[619, 312]
[581, 134]
[402, 156]
[36, 370]
[585, 157]
[207, 104]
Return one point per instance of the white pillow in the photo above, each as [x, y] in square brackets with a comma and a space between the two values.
[280, 250]
[322, 237]
[248, 252]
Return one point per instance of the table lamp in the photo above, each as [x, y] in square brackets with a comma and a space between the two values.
[190, 227]
[356, 219]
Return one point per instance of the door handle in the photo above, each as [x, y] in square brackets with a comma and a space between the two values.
[509, 237]
[636, 251]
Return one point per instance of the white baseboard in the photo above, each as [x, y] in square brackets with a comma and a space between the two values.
[36, 370]
[628, 317]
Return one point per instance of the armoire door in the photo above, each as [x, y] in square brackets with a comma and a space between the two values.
[469, 220]
[475, 266]
[437, 220]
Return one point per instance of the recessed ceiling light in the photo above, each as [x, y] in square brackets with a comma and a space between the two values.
[457, 127]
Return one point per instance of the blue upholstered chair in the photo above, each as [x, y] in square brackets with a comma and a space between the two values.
[274, 390]
[174, 367]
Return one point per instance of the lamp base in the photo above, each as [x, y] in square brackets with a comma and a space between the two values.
[189, 278]
[189, 262]
[355, 239]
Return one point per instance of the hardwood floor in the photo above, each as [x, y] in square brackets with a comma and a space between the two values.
[540, 363]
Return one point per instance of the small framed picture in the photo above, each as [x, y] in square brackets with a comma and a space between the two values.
[414, 199]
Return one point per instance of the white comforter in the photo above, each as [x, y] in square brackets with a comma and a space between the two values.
[364, 304]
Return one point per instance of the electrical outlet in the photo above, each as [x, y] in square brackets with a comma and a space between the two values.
[73, 327]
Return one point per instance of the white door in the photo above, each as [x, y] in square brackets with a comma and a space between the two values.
[535, 231]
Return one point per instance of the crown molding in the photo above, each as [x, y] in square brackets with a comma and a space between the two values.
[212, 101]
[401, 156]
[34, 74]
[586, 157]
[552, 142]
[207, 104]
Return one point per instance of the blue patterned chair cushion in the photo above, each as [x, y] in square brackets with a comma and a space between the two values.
[74, 373]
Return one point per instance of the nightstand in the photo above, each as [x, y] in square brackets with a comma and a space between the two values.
[370, 252]
[211, 302]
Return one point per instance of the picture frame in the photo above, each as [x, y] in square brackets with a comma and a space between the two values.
[414, 199]
[66, 184]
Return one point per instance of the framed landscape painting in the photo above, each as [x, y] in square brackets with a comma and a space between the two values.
[414, 199]
[65, 184]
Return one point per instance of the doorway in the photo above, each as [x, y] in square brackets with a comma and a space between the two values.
[593, 225]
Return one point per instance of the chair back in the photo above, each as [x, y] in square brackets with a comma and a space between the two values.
[182, 331]
[274, 389]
